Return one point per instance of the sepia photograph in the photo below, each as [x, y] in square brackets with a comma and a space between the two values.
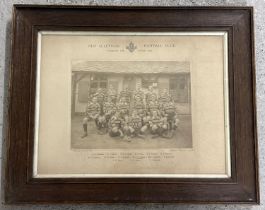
[131, 104]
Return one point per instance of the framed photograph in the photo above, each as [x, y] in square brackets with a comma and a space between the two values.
[132, 104]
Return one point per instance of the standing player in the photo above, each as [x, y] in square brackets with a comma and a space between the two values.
[125, 93]
[139, 106]
[100, 95]
[170, 112]
[123, 107]
[153, 106]
[112, 94]
[109, 108]
[138, 92]
[151, 95]
[92, 113]
[164, 98]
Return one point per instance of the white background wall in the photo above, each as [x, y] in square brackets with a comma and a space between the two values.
[259, 6]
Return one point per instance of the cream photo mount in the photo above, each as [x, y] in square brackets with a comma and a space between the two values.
[83, 33]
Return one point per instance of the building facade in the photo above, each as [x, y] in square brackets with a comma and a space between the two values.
[89, 76]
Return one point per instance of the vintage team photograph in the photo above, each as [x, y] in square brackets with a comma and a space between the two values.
[130, 105]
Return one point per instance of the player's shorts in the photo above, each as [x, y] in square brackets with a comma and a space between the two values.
[114, 134]
[87, 119]
[171, 116]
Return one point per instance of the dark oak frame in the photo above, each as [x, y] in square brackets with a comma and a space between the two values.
[243, 185]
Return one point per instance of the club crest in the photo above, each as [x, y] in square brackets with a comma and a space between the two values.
[131, 47]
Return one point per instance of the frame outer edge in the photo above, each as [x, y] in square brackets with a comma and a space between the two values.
[7, 185]
[115, 7]
[10, 193]
[253, 65]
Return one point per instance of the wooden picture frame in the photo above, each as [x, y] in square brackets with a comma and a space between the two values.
[241, 187]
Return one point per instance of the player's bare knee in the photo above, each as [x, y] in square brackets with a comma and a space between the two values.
[85, 120]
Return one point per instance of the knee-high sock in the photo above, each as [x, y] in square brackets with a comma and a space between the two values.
[85, 128]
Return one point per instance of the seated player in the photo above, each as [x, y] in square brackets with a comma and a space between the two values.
[158, 124]
[92, 113]
[164, 126]
[126, 126]
[146, 126]
[155, 124]
[102, 124]
[135, 125]
[115, 125]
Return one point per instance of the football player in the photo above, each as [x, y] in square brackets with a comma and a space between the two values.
[92, 113]
[115, 125]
